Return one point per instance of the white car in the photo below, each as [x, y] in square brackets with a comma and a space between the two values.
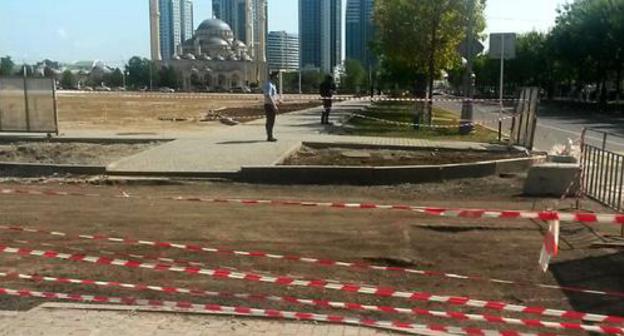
[167, 90]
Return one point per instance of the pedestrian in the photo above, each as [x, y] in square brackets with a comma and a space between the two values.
[327, 91]
[270, 105]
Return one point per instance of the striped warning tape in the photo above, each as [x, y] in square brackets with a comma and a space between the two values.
[385, 292]
[184, 306]
[325, 304]
[159, 259]
[408, 124]
[289, 97]
[582, 217]
[294, 258]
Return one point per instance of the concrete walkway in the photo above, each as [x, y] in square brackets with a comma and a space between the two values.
[227, 150]
[62, 319]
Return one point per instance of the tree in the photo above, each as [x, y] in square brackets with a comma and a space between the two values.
[354, 76]
[141, 72]
[168, 77]
[6, 66]
[589, 39]
[420, 38]
[114, 79]
[68, 80]
[311, 80]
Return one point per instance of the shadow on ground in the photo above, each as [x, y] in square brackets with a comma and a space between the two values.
[604, 272]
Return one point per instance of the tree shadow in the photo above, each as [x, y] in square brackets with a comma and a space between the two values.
[241, 142]
[602, 273]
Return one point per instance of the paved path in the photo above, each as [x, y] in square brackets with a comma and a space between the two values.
[84, 320]
[227, 150]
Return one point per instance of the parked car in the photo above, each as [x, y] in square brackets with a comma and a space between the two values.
[102, 88]
[167, 90]
[241, 89]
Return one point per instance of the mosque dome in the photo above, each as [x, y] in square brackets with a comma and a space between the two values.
[214, 24]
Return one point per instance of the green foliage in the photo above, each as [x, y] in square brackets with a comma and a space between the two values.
[114, 79]
[68, 80]
[168, 77]
[311, 80]
[6, 66]
[139, 71]
[354, 78]
[421, 37]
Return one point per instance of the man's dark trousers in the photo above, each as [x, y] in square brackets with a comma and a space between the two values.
[270, 112]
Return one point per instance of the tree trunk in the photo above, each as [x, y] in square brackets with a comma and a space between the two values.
[431, 71]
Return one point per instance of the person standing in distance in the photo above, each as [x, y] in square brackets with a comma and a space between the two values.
[327, 90]
[270, 105]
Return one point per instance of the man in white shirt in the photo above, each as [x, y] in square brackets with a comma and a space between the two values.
[270, 105]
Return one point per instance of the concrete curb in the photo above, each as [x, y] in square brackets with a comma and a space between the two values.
[38, 169]
[5, 139]
[382, 175]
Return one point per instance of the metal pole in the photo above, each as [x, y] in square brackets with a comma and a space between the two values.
[26, 107]
[151, 83]
[501, 93]
[281, 84]
[56, 119]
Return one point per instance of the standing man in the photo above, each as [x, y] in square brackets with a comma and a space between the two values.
[327, 90]
[270, 105]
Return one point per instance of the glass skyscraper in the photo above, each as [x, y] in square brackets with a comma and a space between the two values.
[360, 31]
[176, 25]
[320, 34]
[248, 20]
[283, 51]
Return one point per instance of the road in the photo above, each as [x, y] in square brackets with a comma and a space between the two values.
[555, 127]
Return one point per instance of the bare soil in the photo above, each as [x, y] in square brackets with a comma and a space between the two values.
[68, 153]
[506, 249]
[338, 156]
[174, 112]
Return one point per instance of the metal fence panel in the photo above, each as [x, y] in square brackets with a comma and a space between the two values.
[525, 118]
[28, 105]
[41, 109]
[603, 171]
[12, 105]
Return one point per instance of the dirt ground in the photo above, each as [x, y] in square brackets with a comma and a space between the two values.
[506, 249]
[135, 113]
[68, 153]
[337, 156]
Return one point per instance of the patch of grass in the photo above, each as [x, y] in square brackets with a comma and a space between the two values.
[401, 112]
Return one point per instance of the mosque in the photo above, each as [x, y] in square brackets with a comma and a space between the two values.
[213, 59]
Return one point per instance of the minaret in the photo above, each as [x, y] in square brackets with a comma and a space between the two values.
[155, 30]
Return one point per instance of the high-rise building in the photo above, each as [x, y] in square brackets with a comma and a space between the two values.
[175, 25]
[248, 19]
[155, 30]
[320, 34]
[360, 31]
[283, 51]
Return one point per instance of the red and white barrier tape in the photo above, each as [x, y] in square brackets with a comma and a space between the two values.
[550, 248]
[326, 304]
[583, 217]
[294, 258]
[183, 306]
[407, 124]
[385, 292]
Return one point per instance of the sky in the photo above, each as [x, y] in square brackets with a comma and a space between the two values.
[115, 30]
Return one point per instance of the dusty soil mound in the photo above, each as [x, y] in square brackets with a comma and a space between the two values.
[338, 156]
[68, 153]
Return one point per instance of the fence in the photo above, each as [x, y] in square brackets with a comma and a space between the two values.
[28, 105]
[603, 170]
[524, 121]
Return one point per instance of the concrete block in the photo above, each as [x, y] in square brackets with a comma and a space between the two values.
[552, 179]
[562, 159]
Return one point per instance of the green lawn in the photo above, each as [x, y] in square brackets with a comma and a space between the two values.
[402, 112]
